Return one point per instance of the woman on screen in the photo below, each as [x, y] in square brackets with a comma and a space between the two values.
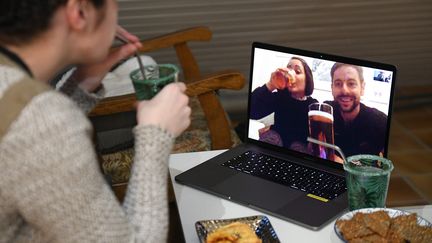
[287, 94]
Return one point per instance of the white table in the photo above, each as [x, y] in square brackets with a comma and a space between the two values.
[195, 205]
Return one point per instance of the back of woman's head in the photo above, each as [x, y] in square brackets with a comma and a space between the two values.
[21, 20]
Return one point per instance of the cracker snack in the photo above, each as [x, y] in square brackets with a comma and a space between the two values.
[380, 227]
[235, 232]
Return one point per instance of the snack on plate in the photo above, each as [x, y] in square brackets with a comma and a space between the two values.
[354, 228]
[235, 232]
[380, 227]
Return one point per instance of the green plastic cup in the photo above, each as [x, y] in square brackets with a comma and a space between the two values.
[156, 77]
[367, 178]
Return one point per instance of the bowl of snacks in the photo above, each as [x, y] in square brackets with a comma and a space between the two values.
[382, 225]
[253, 229]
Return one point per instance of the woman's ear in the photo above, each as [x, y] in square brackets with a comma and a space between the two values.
[77, 14]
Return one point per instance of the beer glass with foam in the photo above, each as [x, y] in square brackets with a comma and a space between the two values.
[321, 128]
[284, 77]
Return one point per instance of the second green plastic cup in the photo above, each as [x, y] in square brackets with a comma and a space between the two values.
[368, 178]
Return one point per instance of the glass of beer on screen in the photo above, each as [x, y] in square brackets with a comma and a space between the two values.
[321, 128]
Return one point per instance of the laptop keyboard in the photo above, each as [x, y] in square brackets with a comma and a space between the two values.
[306, 179]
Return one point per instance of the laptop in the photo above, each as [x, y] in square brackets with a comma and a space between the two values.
[291, 182]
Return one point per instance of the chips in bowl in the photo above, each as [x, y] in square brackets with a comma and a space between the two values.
[383, 225]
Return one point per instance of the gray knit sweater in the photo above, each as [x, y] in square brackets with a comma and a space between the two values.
[51, 187]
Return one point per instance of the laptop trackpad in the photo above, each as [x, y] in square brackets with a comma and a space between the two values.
[255, 191]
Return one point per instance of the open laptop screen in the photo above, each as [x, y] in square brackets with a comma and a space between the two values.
[343, 101]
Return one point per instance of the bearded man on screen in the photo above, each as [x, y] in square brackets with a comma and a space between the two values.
[358, 129]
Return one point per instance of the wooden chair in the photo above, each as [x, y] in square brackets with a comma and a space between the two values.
[202, 87]
[206, 107]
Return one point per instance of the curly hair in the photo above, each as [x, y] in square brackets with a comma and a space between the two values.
[21, 20]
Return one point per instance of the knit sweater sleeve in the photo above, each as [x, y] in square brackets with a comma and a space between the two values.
[51, 177]
[85, 100]
[148, 184]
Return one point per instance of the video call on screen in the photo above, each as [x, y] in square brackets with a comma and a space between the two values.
[377, 90]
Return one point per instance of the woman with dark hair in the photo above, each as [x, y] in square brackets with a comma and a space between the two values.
[287, 94]
[52, 189]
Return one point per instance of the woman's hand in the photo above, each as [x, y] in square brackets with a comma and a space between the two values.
[278, 79]
[168, 110]
[90, 76]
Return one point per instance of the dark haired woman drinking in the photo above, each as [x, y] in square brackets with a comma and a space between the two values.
[287, 94]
